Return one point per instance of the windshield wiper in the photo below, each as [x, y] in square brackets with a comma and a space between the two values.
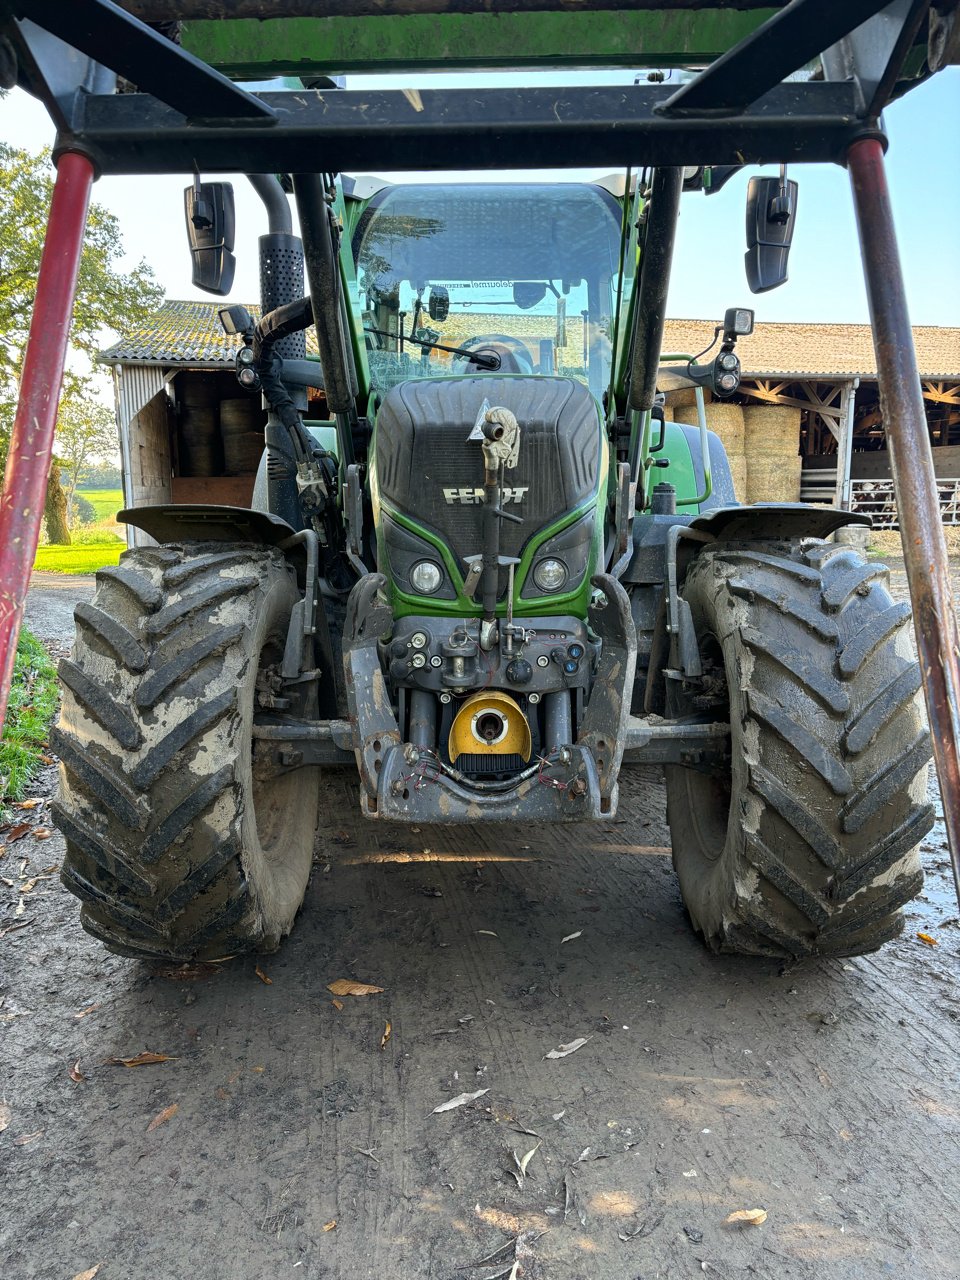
[489, 361]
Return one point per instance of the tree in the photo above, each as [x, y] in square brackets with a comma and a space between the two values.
[86, 429]
[107, 298]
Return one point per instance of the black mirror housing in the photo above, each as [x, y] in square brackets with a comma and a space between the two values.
[438, 304]
[771, 214]
[211, 227]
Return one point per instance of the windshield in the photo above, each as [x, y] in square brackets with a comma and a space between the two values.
[518, 279]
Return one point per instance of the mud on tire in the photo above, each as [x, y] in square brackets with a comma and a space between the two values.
[808, 844]
[176, 848]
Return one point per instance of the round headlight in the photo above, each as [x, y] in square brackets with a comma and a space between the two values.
[550, 575]
[426, 577]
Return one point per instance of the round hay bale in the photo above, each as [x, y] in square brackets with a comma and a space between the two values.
[738, 472]
[241, 453]
[772, 428]
[239, 416]
[198, 390]
[201, 459]
[773, 478]
[200, 425]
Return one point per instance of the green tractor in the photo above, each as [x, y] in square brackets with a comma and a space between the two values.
[484, 571]
[490, 581]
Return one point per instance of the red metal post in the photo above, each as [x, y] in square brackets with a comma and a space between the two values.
[31, 442]
[905, 426]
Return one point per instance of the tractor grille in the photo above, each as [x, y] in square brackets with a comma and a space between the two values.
[468, 763]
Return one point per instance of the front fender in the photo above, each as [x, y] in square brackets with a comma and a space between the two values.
[785, 520]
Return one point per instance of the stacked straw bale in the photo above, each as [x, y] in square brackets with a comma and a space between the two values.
[772, 451]
[726, 421]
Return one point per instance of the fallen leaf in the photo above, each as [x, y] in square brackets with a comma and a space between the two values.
[387, 1032]
[329, 1226]
[460, 1100]
[263, 977]
[88, 1274]
[29, 885]
[345, 987]
[91, 1008]
[46, 759]
[26, 1137]
[565, 1050]
[488, 933]
[337, 1004]
[42, 833]
[29, 804]
[144, 1059]
[5, 1116]
[166, 1114]
[527, 1158]
[925, 937]
[570, 937]
[17, 832]
[753, 1217]
[75, 1074]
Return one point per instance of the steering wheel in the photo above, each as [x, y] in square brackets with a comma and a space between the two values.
[514, 355]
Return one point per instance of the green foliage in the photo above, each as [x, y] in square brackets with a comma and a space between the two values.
[33, 700]
[86, 429]
[106, 501]
[107, 298]
[100, 475]
[84, 512]
[80, 556]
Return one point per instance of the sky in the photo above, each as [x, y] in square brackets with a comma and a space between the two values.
[826, 280]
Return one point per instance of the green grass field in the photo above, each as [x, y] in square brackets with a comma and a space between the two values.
[106, 502]
[86, 558]
[33, 700]
[92, 546]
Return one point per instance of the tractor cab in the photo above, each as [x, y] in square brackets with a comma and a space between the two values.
[469, 278]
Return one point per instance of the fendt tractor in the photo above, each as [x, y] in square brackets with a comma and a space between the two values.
[490, 573]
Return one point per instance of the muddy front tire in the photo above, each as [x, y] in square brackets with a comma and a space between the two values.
[175, 846]
[808, 843]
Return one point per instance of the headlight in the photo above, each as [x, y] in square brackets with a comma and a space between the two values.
[426, 577]
[550, 575]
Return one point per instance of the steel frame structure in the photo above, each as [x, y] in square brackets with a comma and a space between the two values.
[738, 110]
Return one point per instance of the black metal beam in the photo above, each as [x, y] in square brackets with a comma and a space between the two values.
[481, 129]
[783, 44]
[108, 34]
[191, 10]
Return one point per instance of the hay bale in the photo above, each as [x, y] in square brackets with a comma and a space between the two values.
[773, 478]
[772, 428]
[738, 472]
[726, 420]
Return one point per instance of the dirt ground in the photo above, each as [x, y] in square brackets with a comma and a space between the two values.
[295, 1135]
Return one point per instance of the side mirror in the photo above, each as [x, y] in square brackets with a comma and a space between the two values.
[438, 304]
[771, 213]
[211, 227]
[527, 293]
